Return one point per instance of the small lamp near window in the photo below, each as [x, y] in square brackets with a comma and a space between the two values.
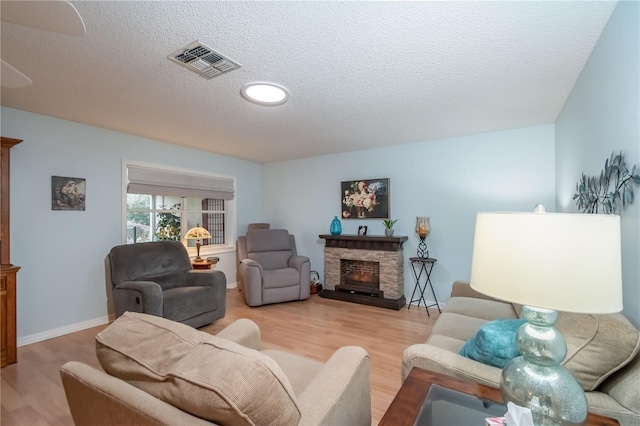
[197, 233]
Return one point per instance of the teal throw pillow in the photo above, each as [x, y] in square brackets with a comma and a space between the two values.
[494, 343]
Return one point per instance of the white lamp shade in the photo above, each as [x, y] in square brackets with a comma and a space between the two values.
[560, 261]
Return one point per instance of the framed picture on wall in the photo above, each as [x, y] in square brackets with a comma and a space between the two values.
[365, 199]
[67, 193]
[362, 230]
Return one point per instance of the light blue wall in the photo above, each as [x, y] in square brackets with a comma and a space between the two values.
[603, 115]
[62, 252]
[449, 180]
[62, 283]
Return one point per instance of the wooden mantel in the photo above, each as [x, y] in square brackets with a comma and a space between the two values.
[364, 242]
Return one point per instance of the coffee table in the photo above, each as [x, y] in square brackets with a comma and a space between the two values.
[463, 399]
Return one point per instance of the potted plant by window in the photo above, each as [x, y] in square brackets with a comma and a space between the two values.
[388, 226]
[168, 226]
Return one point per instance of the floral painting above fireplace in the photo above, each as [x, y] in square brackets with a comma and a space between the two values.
[365, 199]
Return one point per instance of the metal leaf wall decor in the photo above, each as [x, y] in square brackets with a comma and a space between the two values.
[610, 193]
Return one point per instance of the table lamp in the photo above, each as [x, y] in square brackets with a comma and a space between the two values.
[547, 262]
[422, 229]
[197, 233]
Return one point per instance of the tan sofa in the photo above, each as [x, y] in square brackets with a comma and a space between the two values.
[602, 351]
[160, 372]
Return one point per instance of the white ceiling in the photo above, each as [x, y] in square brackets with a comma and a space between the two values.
[360, 74]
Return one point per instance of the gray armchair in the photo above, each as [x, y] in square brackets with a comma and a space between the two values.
[270, 270]
[156, 278]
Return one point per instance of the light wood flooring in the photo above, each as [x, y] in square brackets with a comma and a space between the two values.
[32, 394]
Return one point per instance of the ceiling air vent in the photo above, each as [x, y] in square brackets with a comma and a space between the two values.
[203, 60]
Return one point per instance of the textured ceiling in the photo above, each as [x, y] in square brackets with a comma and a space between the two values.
[360, 74]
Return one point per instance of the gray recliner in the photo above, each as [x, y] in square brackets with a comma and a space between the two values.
[270, 270]
[156, 278]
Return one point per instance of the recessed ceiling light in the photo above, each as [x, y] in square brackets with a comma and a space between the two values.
[262, 93]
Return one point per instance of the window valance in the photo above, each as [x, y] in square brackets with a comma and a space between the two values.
[146, 180]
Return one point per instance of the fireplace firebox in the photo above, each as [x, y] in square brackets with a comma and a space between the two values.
[360, 277]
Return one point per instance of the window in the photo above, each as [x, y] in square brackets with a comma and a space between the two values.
[163, 204]
[159, 217]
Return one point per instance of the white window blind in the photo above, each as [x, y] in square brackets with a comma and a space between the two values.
[145, 180]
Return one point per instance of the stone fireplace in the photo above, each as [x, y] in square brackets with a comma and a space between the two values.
[364, 269]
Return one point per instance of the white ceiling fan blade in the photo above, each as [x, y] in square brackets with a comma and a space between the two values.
[58, 16]
[11, 78]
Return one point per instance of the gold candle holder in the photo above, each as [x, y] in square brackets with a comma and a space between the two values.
[422, 229]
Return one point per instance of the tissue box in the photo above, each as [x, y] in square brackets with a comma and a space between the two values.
[494, 421]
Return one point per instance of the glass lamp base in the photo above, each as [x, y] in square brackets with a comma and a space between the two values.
[551, 393]
[536, 380]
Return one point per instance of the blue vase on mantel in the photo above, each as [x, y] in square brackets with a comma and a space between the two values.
[336, 226]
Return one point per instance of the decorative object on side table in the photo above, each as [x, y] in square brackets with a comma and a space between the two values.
[362, 230]
[548, 262]
[365, 199]
[610, 193]
[336, 226]
[388, 226]
[315, 284]
[422, 229]
[197, 233]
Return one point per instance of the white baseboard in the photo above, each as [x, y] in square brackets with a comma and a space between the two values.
[56, 332]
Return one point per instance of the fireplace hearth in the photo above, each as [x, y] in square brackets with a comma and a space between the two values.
[364, 269]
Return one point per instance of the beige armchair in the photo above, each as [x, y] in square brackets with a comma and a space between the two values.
[269, 268]
[177, 375]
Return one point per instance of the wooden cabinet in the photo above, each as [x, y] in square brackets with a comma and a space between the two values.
[8, 272]
[8, 354]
